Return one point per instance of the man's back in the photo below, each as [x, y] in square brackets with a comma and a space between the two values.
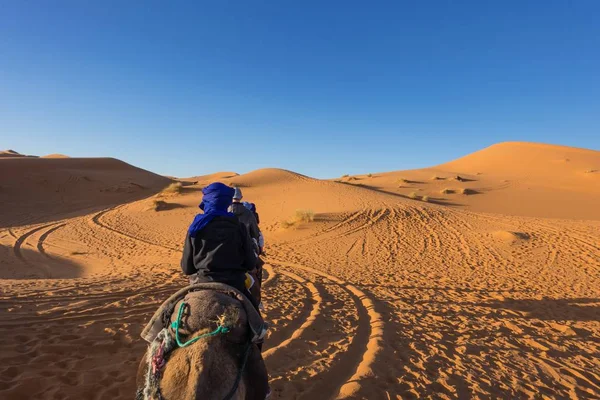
[247, 218]
[221, 250]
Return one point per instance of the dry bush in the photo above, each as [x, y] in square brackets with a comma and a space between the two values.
[468, 191]
[413, 195]
[173, 188]
[425, 198]
[447, 191]
[437, 178]
[304, 216]
[345, 176]
[352, 178]
[299, 217]
[157, 204]
[403, 181]
[160, 205]
[285, 224]
[370, 175]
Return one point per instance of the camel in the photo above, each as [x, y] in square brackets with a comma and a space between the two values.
[221, 365]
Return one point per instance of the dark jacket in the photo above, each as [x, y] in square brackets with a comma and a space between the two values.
[221, 251]
[257, 217]
[247, 218]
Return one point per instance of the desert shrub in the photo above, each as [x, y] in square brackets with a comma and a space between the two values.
[425, 198]
[345, 176]
[468, 191]
[447, 191]
[173, 188]
[299, 217]
[413, 195]
[370, 175]
[437, 178]
[403, 181]
[304, 216]
[156, 204]
[159, 205]
[285, 224]
[352, 178]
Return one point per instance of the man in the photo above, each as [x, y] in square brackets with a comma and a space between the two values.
[217, 246]
[245, 216]
[261, 238]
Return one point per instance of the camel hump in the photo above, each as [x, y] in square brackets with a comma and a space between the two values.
[206, 309]
[208, 301]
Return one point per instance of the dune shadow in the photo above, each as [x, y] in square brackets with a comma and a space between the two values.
[35, 212]
[327, 217]
[465, 179]
[23, 263]
[191, 189]
[187, 183]
[442, 201]
[470, 192]
[438, 201]
[165, 206]
[577, 309]
[239, 185]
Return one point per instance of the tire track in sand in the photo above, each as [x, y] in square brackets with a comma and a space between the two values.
[316, 298]
[22, 240]
[96, 220]
[372, 323]
[271, 274]
[40, 244]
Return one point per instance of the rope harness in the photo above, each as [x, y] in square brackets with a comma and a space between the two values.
[221, 329]
[158, 354]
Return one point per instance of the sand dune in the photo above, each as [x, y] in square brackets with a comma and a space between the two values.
[512, 178]
[534, 160]
[55, 156]
[11, 154]
[380, 297]
[210, 177]
[46, 189]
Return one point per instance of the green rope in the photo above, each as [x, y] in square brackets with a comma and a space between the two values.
[175, 325]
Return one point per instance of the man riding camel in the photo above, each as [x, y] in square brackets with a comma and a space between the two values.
[261, 238]
[217, 246]
[245, 216]
[248, 218]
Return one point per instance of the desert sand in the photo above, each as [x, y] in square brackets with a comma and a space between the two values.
[478, 278]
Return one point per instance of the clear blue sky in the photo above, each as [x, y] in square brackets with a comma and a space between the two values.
[320, 87]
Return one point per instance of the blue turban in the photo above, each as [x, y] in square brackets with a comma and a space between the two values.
[217, 198]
